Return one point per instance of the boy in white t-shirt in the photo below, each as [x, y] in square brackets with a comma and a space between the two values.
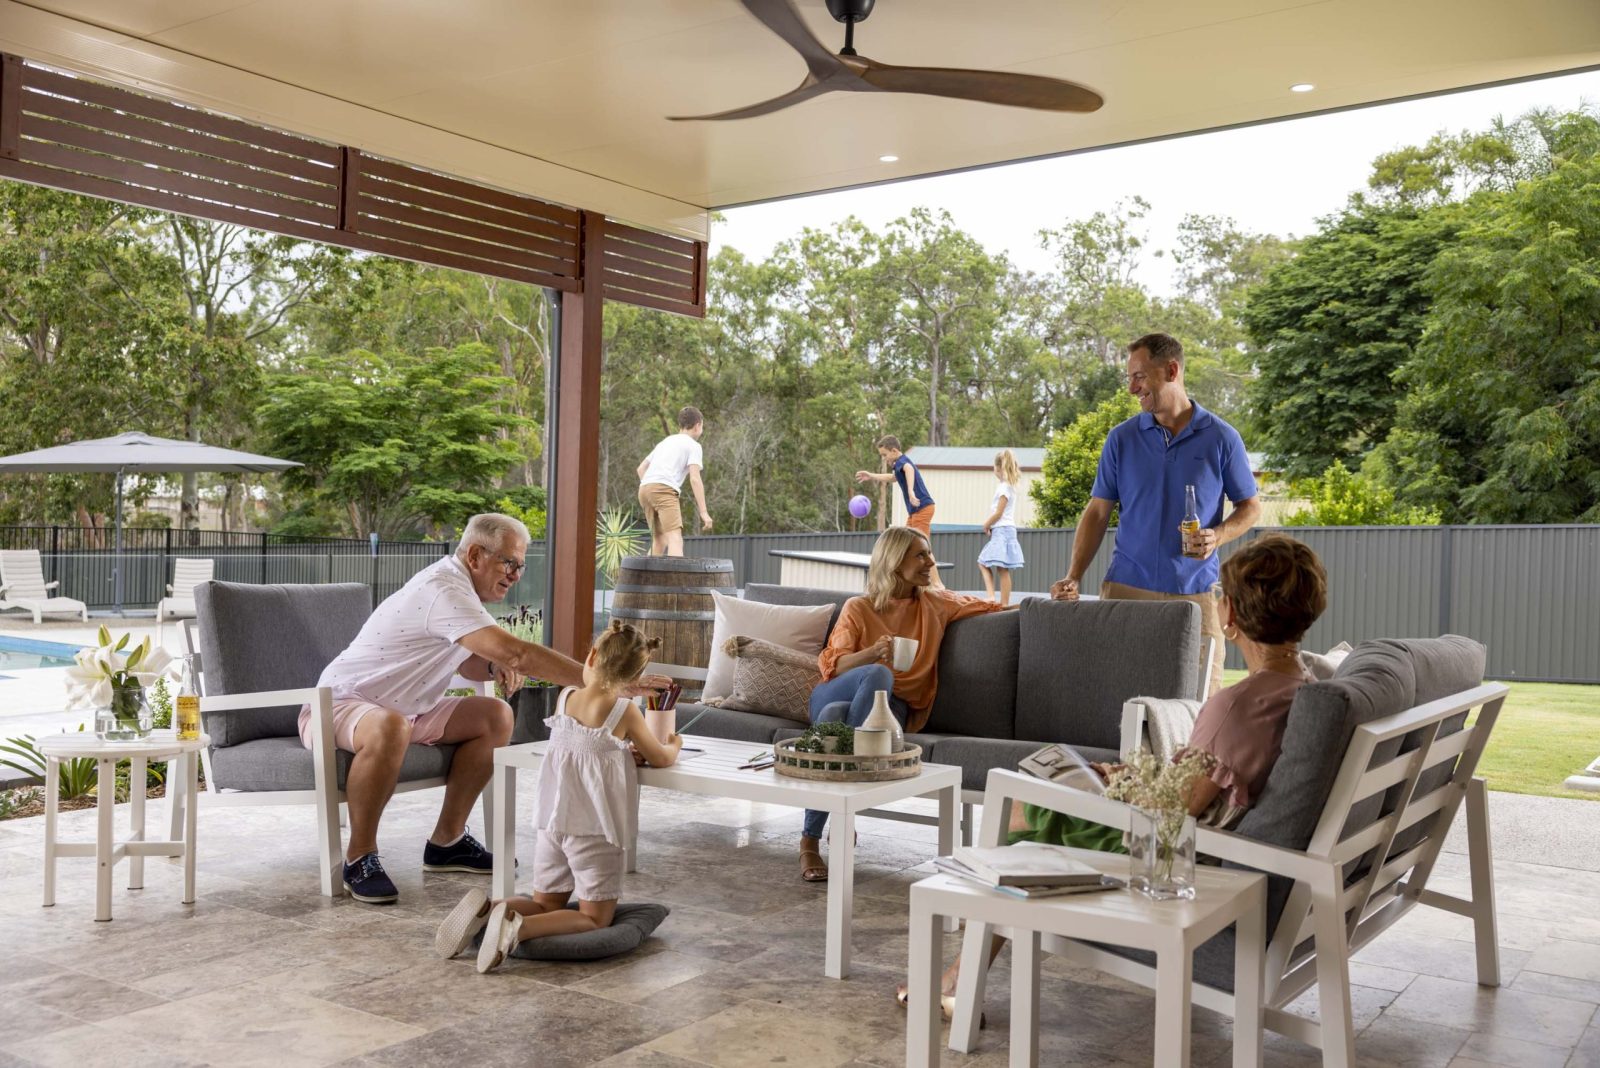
[661, 475]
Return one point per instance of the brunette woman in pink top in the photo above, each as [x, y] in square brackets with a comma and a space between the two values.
[1272, 590]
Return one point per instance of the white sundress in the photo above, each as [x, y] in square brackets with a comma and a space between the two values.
[586, 778]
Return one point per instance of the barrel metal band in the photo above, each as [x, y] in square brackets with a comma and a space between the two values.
[655, 613]
[634, 587]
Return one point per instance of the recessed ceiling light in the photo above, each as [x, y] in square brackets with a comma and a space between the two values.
[888, 159]
[1301, 87]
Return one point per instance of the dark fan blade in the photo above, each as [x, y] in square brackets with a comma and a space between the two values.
[781, 18]
[987, 86]
[808, 89]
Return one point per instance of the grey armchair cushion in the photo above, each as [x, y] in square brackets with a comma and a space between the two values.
[285, 764]
[256, 638]
[977, 692]
[1079, 661]
[766, 593]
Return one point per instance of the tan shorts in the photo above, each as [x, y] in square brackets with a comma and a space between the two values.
[583, 864]
[426, 729]
[661, 509]
[1210, 622]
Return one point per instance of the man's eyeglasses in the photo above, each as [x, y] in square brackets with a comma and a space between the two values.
[1216, 591]
[510, 566]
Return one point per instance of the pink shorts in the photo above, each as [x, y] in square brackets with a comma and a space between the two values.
[426, 729]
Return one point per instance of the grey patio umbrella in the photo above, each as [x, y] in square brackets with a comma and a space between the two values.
[137, 452]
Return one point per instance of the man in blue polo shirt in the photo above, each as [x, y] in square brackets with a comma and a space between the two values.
[1145, 465]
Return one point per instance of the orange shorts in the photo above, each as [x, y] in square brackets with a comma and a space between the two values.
[922, 520]
[426, 729]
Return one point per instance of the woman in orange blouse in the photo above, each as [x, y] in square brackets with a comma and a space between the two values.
[899, 603]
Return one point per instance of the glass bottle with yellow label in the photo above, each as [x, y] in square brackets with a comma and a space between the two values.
[187, 717]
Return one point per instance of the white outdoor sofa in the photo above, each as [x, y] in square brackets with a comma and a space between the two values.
[22, 585]
[1376, 762]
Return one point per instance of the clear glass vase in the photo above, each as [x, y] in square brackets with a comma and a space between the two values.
[1162, 845]
[127, 718]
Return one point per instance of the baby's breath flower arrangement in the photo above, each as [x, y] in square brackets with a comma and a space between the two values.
[1164, 852]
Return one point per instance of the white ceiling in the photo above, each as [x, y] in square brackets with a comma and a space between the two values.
[567, 98]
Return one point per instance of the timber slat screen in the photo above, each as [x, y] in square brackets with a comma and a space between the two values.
[653, 270]
[80, 135]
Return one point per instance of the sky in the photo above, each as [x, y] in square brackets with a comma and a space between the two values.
[1274, 178]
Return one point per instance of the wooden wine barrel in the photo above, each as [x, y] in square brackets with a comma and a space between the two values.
[669, 597]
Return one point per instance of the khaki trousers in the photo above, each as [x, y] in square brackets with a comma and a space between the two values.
[1210, 623]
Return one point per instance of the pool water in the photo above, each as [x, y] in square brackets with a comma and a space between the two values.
[11, 660]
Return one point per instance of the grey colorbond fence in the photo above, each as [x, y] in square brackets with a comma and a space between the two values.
[1530, 593]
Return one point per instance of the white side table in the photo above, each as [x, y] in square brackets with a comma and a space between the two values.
[183, 758]
[1171, 929]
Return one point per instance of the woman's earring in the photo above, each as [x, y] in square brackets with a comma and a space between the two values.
[1230, 632]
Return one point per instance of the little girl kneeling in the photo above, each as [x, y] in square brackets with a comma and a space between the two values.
[581, 811]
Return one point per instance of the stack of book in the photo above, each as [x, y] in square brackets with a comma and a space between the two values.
[1026, 870]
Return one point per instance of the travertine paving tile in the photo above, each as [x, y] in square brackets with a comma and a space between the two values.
[1499, 1011]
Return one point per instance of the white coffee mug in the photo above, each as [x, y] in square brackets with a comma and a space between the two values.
[905, 651]
[871, 742]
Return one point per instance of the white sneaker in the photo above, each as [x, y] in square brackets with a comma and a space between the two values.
[499, 937]
[464, 921]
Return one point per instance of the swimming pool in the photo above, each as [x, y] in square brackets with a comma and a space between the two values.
[20, 654]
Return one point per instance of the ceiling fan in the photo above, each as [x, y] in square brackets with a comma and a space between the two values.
[849, 72]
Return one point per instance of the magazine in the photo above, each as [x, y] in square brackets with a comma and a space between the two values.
[1027, 864]
[952, 866]
[1061, 764]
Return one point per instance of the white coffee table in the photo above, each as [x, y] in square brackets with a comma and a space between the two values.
[1171, 929]
[183, 759]
[716, 773]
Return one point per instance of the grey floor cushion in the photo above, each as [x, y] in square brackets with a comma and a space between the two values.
[631, 925]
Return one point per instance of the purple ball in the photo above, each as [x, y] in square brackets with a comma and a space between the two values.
[860, 506]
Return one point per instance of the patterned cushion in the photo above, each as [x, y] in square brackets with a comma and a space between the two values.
[771, 679]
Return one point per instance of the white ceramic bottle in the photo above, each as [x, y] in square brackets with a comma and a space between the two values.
[882, 719]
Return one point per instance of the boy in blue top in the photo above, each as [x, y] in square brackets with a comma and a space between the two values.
[918, 501]
[1145, 465]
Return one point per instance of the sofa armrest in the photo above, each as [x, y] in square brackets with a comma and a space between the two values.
[1177, 717]
[52, 585]
[1005, 787]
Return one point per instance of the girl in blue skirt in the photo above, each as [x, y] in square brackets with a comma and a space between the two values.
[1003, 554]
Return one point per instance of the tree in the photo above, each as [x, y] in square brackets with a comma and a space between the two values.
[1331, 328]
[1071, 458]
[1340, 498]
[1500, 421]
[399, 444]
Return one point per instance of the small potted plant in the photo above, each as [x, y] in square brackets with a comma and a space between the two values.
[535, 701]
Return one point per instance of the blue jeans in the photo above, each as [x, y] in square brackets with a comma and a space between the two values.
[847, 698]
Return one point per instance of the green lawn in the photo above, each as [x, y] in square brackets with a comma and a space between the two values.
[1546, 732]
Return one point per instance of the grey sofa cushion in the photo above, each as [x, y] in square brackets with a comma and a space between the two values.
[975, 756]
[285, 764]
[631, 925]
[256, 638]
[1079, 661]
[977, 692]
[727, 723]
[766, 593]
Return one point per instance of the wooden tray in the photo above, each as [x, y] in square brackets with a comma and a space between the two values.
[836, 767]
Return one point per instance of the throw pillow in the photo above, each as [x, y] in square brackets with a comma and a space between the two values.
[771, 679]
[802, 628]
[1323, 666]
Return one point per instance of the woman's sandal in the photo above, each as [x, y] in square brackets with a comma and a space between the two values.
[812, 867]
[947, 1005]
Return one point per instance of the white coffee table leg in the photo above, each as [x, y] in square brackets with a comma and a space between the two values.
[922, 988]
[175, 798]
[970, 986]
[841, 893]
[191, 785]
[631, 845]
[52, 788]
[947, 834]
[1174, 965]
[106, 787]
[136, 785]
[503, 842]
[1025, 999]
[1249, 979]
